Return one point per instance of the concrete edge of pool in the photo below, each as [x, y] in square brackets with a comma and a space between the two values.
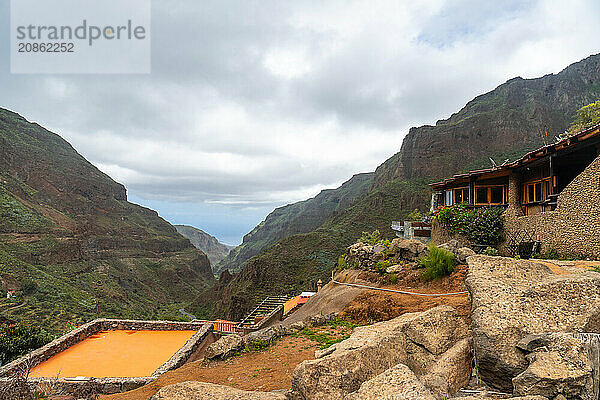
[107, 385]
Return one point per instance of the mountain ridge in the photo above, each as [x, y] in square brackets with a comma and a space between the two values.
[205, 242]
[519, 108]
[295, 218]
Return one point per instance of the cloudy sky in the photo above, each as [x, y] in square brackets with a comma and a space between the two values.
[254, 104]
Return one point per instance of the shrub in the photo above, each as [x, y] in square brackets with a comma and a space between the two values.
[550, 254]
[479, 225]
[371, 238]
[416, 215]
[490, 251]
[393, 278]
[382, 266]
[19, 338]
[586, 117]
[438, 263]
[342, 262]
[28, 287]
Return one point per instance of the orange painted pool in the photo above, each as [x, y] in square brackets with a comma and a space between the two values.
[119, 353]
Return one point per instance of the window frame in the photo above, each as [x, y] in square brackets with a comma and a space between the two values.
[544, 191]
[489, 195]
[463, 190]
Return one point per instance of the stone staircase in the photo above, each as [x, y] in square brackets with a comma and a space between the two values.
[264, 308]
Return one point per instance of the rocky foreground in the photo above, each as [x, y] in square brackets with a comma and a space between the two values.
[534, 336]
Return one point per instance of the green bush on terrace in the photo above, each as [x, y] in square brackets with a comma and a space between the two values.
[479, 225]
[438, 263]
[19, 338]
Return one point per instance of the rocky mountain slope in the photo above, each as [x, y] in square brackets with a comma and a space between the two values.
[504, 123]
[301, 217]
[73, 247]
[210, 245]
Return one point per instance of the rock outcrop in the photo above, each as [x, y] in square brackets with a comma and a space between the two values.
[515, 298]
[225, 347]
[560, 364]
[398, 382]
[365, 257]
[192, 390]
[408, 249]
[417, 340]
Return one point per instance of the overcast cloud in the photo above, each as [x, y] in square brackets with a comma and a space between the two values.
[255, 104]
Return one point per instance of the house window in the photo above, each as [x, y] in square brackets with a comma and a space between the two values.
[461, 195]
[482, 195]
[536, 191]
[449, 198]
[496, 195]
[490, 195]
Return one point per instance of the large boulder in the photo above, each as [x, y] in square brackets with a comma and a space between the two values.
[192, 390]
[451, 371]
[408, 249]
[560, 364]
[261, 338]
[225, 347]
[417, 340]
[398, 382]
[462, 253]
[514, 298]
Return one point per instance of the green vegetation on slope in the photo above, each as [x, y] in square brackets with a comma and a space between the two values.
[586, 117]
[17, 217]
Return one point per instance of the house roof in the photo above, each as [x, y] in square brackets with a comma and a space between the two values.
[530, 157]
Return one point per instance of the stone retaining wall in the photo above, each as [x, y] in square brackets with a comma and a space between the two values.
[107, 385]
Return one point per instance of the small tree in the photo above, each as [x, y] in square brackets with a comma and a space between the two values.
[585, 117]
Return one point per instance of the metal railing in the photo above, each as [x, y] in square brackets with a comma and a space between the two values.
[223, 326]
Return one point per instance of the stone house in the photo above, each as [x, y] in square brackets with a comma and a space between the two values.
[552, 194]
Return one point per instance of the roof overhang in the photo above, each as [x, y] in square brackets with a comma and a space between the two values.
[528, 158]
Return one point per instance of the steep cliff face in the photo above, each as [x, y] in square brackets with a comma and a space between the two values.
[503, 123]
[300, 217]
[71, 244]
[210, 245]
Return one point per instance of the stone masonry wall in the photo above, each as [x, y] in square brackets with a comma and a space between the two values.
[440, 235]
[573, 228]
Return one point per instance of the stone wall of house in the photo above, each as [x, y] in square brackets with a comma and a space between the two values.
[573, 228]
[440, 235]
